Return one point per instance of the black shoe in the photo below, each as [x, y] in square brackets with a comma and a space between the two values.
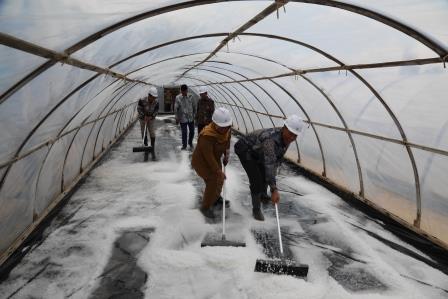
[258, 215]
[183, 148]
[191, 146]
[208, 213]
[265, 199]
[218, 202]
[145, 141]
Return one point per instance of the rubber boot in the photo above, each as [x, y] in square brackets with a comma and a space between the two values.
[218, 203]
[256, 207]
[153, 151]
[208, 213]
[145, 141]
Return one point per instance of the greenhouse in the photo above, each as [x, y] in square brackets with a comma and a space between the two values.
[362, 191]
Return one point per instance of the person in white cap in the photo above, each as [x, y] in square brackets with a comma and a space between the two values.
[204, 110]
[213, 144]
[147, 110]
[261, 153]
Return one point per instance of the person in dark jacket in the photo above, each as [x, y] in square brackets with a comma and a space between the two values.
[260, 153]
[213, 144]
[147, 110]
[205, 109]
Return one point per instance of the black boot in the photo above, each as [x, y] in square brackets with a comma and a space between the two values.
[256, 210]
[145, 141]
[153, 151]
[218, 203]
[258, 215]
[208, 213]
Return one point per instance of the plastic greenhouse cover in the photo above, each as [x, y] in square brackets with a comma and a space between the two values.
[338, 32]
[285, 52]
[14, 65]
[60, 24]
[418, 96]
[429, 17]
[202, 45]
[388, 176]
[18, 116]
[167, 27]
[359, 106]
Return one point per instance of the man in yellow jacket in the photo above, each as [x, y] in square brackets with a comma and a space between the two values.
[213, 144]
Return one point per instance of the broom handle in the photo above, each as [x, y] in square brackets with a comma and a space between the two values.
[144, 135]
[278, 228]
[224, 209]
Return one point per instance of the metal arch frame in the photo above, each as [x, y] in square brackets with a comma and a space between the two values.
[93, 127]
[430, 43]
[324, 169]
[320, 90]
[225, 90]
[248, 102]
[235, 97]
[433, 45]
[102, 123]
[260, 102]
[219, 92]
[45, 159]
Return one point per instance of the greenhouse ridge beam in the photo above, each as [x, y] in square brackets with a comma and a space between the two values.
[342, 68]
[263, 14]
[54, 56]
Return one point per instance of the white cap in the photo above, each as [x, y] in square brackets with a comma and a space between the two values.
[222, 117]
[202, 89]
[153, 91]
[294, 124]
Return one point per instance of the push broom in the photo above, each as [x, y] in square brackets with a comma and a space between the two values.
[222, 241]
[143, 148]
[282, 265]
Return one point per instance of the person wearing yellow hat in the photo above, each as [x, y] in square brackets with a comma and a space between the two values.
[213, 144]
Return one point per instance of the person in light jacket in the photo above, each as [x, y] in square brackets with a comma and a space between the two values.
[185, 112]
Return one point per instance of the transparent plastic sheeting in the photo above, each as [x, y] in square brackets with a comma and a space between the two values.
[81, 118]
[338, 33]
[170, 26]
[14, 65]
[60, 24]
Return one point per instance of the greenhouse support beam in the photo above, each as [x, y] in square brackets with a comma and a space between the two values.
[52, 141]
[54, 56]
[54, 203]
[324, 170]
[342, 68]
[263, 14]
[219, 92]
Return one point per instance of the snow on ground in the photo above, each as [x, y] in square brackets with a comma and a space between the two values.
[123, 193]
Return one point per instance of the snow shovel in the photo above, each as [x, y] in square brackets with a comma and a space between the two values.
[283, 265]
[144, 148]
[210, 241]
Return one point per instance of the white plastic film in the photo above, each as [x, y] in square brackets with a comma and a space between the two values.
[388, 176]
[338, 32]
[20, 113]
[418, 96]
[14, 65]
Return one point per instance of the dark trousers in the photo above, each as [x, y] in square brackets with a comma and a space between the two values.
[255, 173]
[183, 127]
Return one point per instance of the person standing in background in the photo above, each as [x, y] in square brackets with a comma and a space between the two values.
[205, 109]
[185, 112]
